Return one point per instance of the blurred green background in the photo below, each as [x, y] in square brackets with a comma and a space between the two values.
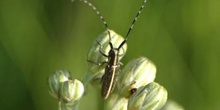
[37, 37]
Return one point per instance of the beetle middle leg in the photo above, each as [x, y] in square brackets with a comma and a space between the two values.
[98, 63]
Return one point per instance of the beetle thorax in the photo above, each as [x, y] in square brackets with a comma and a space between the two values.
[113, 56]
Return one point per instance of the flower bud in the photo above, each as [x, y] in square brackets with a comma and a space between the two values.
[172, 105]
[71, 90]
[135, 74]
[96, 59]
[149, 97]
[55, 80]
[115, 102]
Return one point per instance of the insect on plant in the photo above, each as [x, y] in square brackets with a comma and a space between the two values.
[113, 62]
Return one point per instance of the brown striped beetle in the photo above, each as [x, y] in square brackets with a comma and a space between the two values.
[113, 62]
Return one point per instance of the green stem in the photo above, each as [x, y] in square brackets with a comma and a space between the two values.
[59, 105]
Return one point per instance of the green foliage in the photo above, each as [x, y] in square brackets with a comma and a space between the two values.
[40, 36]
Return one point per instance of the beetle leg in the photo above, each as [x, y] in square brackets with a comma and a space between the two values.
[100, 49]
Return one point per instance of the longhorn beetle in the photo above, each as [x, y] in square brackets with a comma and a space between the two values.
[111, 70]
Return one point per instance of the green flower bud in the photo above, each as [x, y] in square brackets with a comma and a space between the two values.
[71, 90]
[149, 97]
[115, 102]
[55, 80]
[136, 73]
[172, 105]
[96, 60]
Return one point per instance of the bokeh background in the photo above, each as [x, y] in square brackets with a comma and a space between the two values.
[37, 37]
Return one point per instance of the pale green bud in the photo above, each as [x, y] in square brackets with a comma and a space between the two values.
[115, 102]
[150, 97]
[71, 90]
[55, 80]
[94, 56]
[135, 74]
[172, 105]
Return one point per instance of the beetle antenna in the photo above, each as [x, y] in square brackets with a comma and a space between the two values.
[100, 16]
[132, 24]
